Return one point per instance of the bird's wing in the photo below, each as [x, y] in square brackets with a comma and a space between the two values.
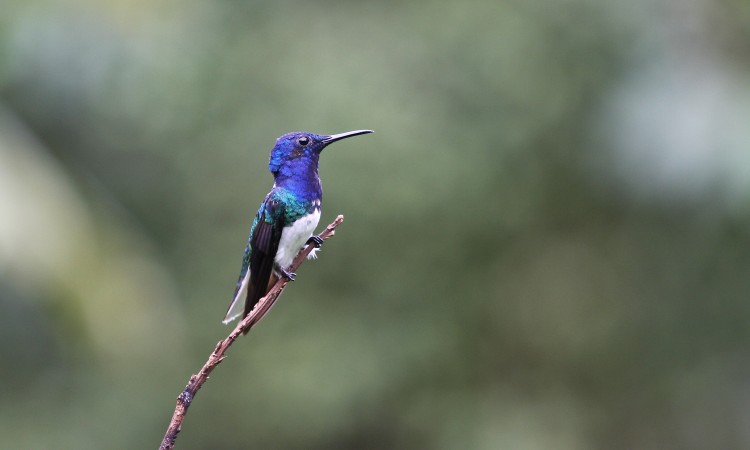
[264, 242]
[257, 263]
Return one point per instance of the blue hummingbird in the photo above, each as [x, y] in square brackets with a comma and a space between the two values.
[285, 220]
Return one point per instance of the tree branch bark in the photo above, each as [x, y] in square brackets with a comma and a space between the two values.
[264, 305]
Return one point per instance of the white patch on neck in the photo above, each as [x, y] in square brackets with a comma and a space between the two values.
[294, 236]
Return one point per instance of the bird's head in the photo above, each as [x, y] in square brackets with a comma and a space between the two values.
[301, 144]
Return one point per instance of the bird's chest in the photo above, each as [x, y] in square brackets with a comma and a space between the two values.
[294, 236]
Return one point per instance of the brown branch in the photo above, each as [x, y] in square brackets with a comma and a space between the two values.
[264, 305]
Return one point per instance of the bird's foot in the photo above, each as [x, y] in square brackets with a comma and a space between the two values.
[288, 275]
[315, 240]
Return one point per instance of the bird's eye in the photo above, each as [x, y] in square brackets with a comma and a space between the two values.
[303, 141]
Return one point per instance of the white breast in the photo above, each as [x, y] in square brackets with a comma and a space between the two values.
[293, 237]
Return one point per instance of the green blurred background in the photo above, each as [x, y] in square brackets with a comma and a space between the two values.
[546, 245]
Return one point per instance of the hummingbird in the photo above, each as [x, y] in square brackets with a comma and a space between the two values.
[286, 219]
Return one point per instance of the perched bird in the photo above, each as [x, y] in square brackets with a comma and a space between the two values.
[285, 220]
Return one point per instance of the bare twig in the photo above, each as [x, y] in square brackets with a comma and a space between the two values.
[264, 305]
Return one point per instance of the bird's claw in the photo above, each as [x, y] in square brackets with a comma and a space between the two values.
[315, 240]
[288, 275]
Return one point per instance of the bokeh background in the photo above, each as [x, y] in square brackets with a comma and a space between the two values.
[546, 245]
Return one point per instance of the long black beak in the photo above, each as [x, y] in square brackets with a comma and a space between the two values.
[337, 137]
